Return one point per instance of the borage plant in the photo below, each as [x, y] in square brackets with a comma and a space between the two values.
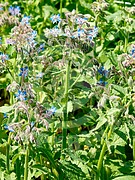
[68, 93]
[44, 78]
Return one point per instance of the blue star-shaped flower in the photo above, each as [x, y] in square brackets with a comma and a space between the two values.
[103, 72]
[14, 10]
[4, 57]
[24, 71]
[55, 18]
[21, 95]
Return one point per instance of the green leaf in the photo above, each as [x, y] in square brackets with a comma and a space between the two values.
[110, 36]
[84, 120]
[72, 168]
[2, 174]
[3, 83]
[44, 170]
[125, 178]
[5, 109]
[101, 121]
[2, 134]
[16, 156]
[10, 176]
[46, 152]
[112, 111]
[103, 57]
[120, 89]
[48, 10]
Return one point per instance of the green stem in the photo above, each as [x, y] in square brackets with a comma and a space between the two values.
[11, 98]
[77, 7]
[104, 134]
[26, 164]
[61, 8]
[101, 157]
[100, 161]
[53, 135]
[7, 154]
[64, 122]
[126, 43]
[134, 148]
[42, 162]
[17, 166]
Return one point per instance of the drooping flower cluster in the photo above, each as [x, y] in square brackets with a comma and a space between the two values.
[41, 115]
[74, 27]
[23, 132]
[10, 16]
[23, 36]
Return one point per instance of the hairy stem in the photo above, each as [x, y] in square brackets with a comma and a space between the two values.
[61, 8]
[64, 122]
[42, 162]
[102, 153]
[7, 154]
[77, 6]
[26, 164]
[17, 166]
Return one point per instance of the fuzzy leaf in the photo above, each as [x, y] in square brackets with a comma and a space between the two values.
[5, 109]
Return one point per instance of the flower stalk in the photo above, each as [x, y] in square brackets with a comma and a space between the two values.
[61, 8]
[101, 157]
[7, 155]
[26, 164]
[64, 122]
